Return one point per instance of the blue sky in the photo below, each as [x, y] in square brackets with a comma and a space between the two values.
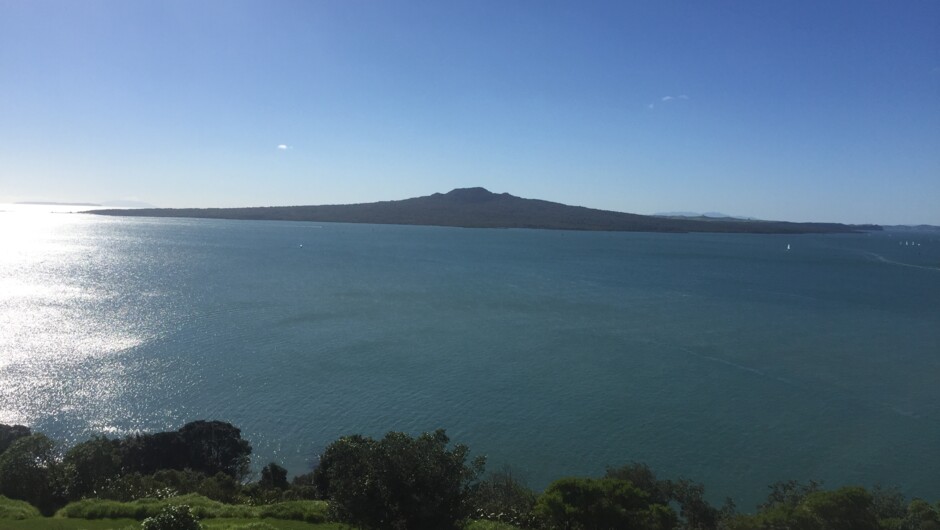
[784, 110]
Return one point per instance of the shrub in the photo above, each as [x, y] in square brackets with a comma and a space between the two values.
[587, 504]
[13, 509]
[503, 498]
[177, 517]
[398, 481]
[307, 511]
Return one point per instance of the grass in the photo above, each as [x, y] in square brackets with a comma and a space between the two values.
[483, 524]
[99, 514]
[203, 508]
[55, 523]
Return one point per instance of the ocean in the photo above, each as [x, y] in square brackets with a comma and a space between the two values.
[724, 358]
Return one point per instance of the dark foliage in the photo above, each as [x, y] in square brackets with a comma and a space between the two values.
[504, 498]
[148, 453]
[398, 482]
[848, 508]
[274, 476]
[601, 504]
[29, 472]
[788, 493]
[90, 466]
[10, 433]
[694, 511]
[216, 447]
[207, 447]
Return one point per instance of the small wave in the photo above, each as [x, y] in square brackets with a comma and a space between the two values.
[879, 257]
[875, 405]
[734, 365]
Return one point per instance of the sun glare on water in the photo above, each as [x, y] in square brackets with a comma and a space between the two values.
[48, 303]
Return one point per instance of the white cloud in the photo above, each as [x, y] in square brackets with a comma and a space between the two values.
[667, 99]
[283, 147]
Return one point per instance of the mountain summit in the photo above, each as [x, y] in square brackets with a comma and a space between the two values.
[469, 195]
[481, 208]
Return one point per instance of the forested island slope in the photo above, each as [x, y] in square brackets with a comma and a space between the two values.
[480, 208]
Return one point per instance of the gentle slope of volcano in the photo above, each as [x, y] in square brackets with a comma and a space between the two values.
[480, 208]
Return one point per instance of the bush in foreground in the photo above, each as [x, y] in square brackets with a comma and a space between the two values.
[398, 482]
[13, 509]
[596, 504]
[177, 517]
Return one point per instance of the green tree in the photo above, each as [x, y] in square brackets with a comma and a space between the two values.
[398, 482]
[208, 447]
[89, 466]
[921, 516]
[788, 493]
[274, 476]
[29, 471]
[848, 508]
[502, 497]
[695, 512]
[600, 504]
[10, 433]
[148, 453]
[216, 446]
[642, 477]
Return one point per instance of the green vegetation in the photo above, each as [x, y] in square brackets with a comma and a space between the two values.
[13, 509]
[396, 482]
[598, 504]
[311, 511]
[130, 524]
[175, 517]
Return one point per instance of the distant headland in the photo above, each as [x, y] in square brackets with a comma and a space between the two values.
[481, 208]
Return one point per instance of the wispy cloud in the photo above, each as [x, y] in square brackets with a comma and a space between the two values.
[667, 99]
[283, 147]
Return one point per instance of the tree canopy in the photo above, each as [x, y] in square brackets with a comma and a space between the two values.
[399, 481]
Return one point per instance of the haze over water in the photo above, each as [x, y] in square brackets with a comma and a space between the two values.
[724, 358]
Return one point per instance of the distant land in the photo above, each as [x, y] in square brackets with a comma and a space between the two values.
[710, 215]
[912, 228]
[50, 203]
[480, 208]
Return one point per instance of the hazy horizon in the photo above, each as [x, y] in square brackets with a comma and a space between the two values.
[795, 112]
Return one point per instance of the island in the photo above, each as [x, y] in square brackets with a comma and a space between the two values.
[481, 208]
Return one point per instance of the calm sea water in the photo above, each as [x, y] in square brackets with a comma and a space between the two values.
[724, 358]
